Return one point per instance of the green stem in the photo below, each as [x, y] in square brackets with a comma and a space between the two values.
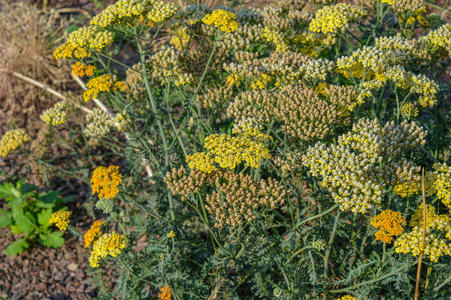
[329, 244]
[318, 216]
[130, 271]
[74, 231]
[297, 252]
[158, 121]
[373, 280]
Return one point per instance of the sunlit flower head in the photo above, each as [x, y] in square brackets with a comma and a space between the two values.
[60, 219]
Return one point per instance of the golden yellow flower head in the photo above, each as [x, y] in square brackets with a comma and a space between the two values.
[60, 219]
[107, 244]
[93, 232]
[171, 234]
[119, 86]
[105, 181]
[201, 161]
[165, 293]
[80, 69]
[389, 223]
[102, 83]
[222, 19]
[12, 140]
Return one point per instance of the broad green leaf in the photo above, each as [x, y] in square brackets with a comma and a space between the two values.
[54, 239]
[5, 218]
[6, 190]
[26, 223]
[28, 188]
[44, 217]
[17, 247]
[15, 229]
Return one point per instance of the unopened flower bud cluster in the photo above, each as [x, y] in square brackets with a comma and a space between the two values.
[55, 115]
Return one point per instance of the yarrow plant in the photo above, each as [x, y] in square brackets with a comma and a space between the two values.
[264, 153]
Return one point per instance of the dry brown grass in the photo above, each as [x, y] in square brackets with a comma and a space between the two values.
[28, 37]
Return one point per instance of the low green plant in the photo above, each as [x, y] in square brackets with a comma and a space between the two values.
[28, 213]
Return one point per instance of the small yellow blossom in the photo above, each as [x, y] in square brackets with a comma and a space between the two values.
[409, 111]
[119, 86]
[389, 223]
[222, 19]
[60, 219]
[93, 232]
[165, 293]
[96, 85]
[201, 161]
[105, 181]
[107, 244]
[80, 69]
[171, 234]
[12, 140]
[438, 235]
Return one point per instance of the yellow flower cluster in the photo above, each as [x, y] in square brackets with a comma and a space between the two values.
[93, 232]
[409, 111]
[356, 170]
[105, 181]
[123, 11]
[229, 151]
[222, 19]
[83, 42]
[275, 36]
[389, 223]
[434, 245]
[437, 182]
[80, 69]
[442, 183]
[165, 293]
[171, 234]
[438, 41]
[347, 297]
[12, 140]
[120, 86]
[161, 11]
[107, 244]
[201, 161]
[375, 66]
[334, 19]
[55, 115]
[180, 38]
[60, 219]
[102, 83]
